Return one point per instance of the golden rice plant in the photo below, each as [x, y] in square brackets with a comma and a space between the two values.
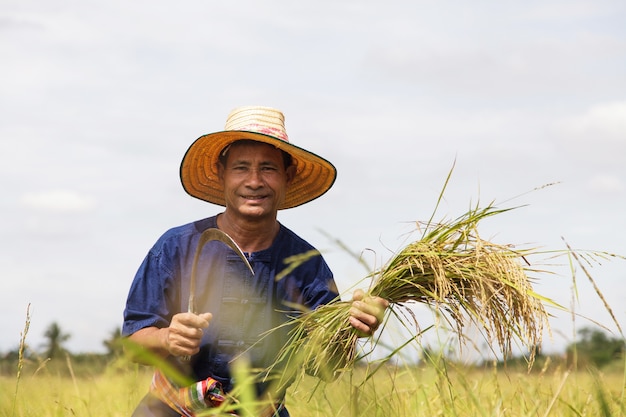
[450, 268]
[21, 358]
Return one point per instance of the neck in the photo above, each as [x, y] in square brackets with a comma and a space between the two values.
[251, 235]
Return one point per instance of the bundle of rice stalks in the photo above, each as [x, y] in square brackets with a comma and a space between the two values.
[451, 269]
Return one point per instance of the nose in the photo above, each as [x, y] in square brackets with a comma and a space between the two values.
[254, 177]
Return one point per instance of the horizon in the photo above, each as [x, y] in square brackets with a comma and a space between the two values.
[101, 100]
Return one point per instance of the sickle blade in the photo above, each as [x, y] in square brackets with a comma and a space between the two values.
[217, 234]
[207, 236]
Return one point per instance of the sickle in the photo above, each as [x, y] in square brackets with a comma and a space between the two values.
[207, 236]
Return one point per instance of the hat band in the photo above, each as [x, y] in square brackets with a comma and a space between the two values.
[278, 133]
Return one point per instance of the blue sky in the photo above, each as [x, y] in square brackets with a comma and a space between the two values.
[100, 100]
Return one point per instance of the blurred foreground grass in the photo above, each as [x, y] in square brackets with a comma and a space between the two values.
[391, 391]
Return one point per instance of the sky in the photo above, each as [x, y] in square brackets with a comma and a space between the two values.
[100, 100]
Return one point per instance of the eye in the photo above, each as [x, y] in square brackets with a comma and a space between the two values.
[239, 168]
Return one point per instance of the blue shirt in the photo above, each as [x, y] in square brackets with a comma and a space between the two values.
[244, 306]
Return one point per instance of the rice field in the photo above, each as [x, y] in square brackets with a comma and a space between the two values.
[391, 391]
[467, 280]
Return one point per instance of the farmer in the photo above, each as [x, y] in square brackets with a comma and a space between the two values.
[252, 170]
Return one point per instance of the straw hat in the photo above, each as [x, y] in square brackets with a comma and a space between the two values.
[198, 170]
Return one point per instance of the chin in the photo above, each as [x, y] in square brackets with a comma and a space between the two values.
[256, 212]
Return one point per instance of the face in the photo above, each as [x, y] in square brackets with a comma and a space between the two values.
[255, 180]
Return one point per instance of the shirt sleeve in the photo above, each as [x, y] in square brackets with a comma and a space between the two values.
[323, 289]
[152, 293]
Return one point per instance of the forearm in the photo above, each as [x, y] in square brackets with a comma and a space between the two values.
[181, 338]
[152, 339]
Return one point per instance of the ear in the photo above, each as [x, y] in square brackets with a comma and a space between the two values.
[290, 173]
[220, 172]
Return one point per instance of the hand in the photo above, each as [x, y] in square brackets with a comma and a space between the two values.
[367, 313]
[185, 333]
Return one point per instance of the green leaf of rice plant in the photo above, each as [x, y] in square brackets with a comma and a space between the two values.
[450, 268]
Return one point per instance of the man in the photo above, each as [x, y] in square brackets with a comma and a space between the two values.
[252, 170]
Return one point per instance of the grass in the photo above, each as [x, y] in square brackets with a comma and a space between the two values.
[46, 394]
[20, 359]
[441, 388]
[467, 280]
[393, 390]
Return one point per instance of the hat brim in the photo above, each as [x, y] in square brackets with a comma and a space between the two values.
[199, 175]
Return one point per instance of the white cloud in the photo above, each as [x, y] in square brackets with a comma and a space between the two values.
[565, 10]
[605, 183]
[606, 121]
[57, 200]
[105, 98]
[595, 136]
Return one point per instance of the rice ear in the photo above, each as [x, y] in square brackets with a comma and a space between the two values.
[450, 268]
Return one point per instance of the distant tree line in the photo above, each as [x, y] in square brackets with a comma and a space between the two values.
[53, 350]
[594, 348]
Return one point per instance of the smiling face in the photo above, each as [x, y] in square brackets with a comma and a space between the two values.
[255, 180]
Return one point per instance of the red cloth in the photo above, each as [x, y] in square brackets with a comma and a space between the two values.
[188, 400]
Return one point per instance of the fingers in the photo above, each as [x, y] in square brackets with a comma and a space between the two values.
[185, 333]
[367, 312]
[358, 295]
[206, 317]
[365, 318]
[372, 306]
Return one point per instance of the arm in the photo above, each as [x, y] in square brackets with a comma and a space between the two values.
[182, 337]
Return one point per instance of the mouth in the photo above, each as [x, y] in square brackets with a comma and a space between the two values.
[254, 198]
